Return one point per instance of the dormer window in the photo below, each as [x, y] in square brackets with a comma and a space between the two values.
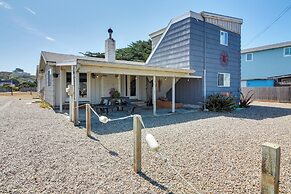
[224, 38]
[287, 52]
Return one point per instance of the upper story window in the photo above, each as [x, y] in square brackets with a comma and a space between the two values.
[224, 38]
[249, 56]
[287, 52]
[49, 77]
[223, 79]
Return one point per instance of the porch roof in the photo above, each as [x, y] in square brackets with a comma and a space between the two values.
[100, 65]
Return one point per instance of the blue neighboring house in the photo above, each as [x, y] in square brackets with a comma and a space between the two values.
[260, 64]
[205, 42]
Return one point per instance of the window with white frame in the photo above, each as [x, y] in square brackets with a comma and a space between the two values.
[249, 56]
[224, 38]
[287, 52]
[223, 80]
[49, 77]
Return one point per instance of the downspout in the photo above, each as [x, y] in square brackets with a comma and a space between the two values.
[204, 64]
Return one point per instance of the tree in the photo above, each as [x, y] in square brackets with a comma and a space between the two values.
[136, 51]
[29, 85]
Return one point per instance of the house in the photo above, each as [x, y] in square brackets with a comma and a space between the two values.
[258, 82]
[282, 80]
[266, 61]
[195, 55]
[7, 83]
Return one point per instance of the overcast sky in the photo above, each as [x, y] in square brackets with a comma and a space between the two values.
[28, 27]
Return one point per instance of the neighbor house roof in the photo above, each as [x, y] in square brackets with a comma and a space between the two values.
[280, 76]
[266, 47]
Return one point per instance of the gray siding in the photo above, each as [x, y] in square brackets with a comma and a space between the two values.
[183, 47]
[173, 51]
[188, 91]
[213, 64]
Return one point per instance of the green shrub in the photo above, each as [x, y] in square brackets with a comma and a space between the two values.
[220, 103]
[245, 101]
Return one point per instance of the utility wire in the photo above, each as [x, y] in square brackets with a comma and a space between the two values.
[269, 26]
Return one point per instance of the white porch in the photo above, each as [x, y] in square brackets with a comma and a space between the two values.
[92, 80]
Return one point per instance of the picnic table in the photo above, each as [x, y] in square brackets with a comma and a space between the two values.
[118, 104]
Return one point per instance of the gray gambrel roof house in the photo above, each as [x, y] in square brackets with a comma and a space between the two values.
[198, 52]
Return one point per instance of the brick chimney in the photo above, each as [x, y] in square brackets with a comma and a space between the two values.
[110, 47]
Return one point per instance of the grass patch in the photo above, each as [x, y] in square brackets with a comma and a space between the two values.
[44, 104]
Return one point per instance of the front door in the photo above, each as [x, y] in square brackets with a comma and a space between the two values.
[131, 86]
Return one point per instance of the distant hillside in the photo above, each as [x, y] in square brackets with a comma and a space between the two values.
[17, 74]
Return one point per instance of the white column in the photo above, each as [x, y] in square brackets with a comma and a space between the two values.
[154, 96]
[89, 86]
[77, 93]
[102, 86]
[173, 94]
[72, 98]
[61, 90]
[119, 84]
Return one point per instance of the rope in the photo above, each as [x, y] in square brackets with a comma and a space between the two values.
[178, 173]
[162, 157]
[81, 106]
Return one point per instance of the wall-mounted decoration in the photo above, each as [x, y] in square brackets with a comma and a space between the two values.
[55, 75]
[224, 58]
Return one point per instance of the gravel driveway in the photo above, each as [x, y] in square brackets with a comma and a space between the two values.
[42, 152]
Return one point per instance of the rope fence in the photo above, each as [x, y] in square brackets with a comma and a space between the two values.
[271, 153]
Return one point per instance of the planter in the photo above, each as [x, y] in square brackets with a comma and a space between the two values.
[167, 104]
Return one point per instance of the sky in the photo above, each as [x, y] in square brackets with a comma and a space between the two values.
[28, 27]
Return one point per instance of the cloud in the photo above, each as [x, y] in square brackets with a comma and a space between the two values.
[50, 39]
[5, 5]
[23, 24]
[30, 10]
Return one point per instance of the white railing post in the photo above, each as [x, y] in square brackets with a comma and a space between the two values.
[137, 144]
[271, 154]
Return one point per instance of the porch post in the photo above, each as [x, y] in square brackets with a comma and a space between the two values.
[89, 86]
[102, 86]
[154, 96]
[173, 94]
[119, 83]
[61, 90]
[76, 96]
[72, 98]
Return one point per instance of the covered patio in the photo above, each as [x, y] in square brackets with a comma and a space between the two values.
[84, 80]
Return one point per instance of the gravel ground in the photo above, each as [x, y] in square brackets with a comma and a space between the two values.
[42, 152]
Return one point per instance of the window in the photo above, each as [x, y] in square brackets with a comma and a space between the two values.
[223, 80]
[287, 52]
[49, 77]
[249, 56]
[224, 38]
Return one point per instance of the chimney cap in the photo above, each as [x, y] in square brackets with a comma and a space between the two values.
[110, 31]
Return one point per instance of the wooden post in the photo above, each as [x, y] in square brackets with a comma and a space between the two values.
[271, 154]
[88, 120]
[75, 120]
[137, 144]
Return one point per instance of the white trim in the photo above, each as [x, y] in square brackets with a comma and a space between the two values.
[225, 36]
[289, 52]
[224, 86]
[247, 57]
